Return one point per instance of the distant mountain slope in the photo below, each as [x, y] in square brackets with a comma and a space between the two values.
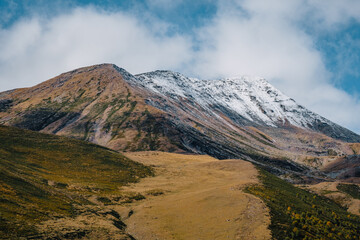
[47, 177]
[231, 118]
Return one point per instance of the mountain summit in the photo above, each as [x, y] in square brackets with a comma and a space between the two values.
[162, 110]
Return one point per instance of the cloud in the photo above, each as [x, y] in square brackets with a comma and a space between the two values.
[36, 49]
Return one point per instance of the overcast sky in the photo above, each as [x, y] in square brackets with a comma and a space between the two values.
[310, 50]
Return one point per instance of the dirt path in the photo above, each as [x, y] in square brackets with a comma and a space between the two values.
[195, 197]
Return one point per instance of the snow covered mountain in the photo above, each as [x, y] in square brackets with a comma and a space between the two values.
[246, 100]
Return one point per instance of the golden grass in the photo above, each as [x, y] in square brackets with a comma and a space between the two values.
[201, 199]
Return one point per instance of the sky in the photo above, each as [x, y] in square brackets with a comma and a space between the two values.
[309, 49]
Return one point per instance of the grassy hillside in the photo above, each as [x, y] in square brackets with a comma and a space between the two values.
[44, 176]
[299, 214]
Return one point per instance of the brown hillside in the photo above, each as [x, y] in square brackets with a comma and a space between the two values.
[94, 104]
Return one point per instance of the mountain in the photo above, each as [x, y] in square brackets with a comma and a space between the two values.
[56, 186]
[245, 100]
[242, 117]
[94, 104]
[45, 177]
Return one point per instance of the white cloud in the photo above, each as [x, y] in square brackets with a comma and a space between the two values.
[35, 50]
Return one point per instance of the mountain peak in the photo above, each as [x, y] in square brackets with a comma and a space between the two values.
[240, 117]
[246, 100]
[163, 76]
[250, 100]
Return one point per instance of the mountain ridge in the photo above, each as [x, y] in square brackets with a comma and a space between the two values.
[167, 111]
[262, 97]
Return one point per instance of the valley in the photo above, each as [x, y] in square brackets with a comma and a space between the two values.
[201, 198]
[86, 192]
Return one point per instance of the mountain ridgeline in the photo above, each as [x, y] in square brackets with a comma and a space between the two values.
[242, 117]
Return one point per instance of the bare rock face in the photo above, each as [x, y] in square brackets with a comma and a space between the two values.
[227, 118]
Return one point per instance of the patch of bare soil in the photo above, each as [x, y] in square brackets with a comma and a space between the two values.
[195, 197]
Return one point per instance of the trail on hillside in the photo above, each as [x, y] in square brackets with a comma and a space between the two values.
[195, 197]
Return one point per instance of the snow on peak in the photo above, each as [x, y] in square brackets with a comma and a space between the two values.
[252, 98]
[164, 82]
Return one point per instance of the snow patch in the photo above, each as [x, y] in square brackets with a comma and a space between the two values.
[253, 98]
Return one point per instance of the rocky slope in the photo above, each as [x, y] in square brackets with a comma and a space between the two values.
[230, 118]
